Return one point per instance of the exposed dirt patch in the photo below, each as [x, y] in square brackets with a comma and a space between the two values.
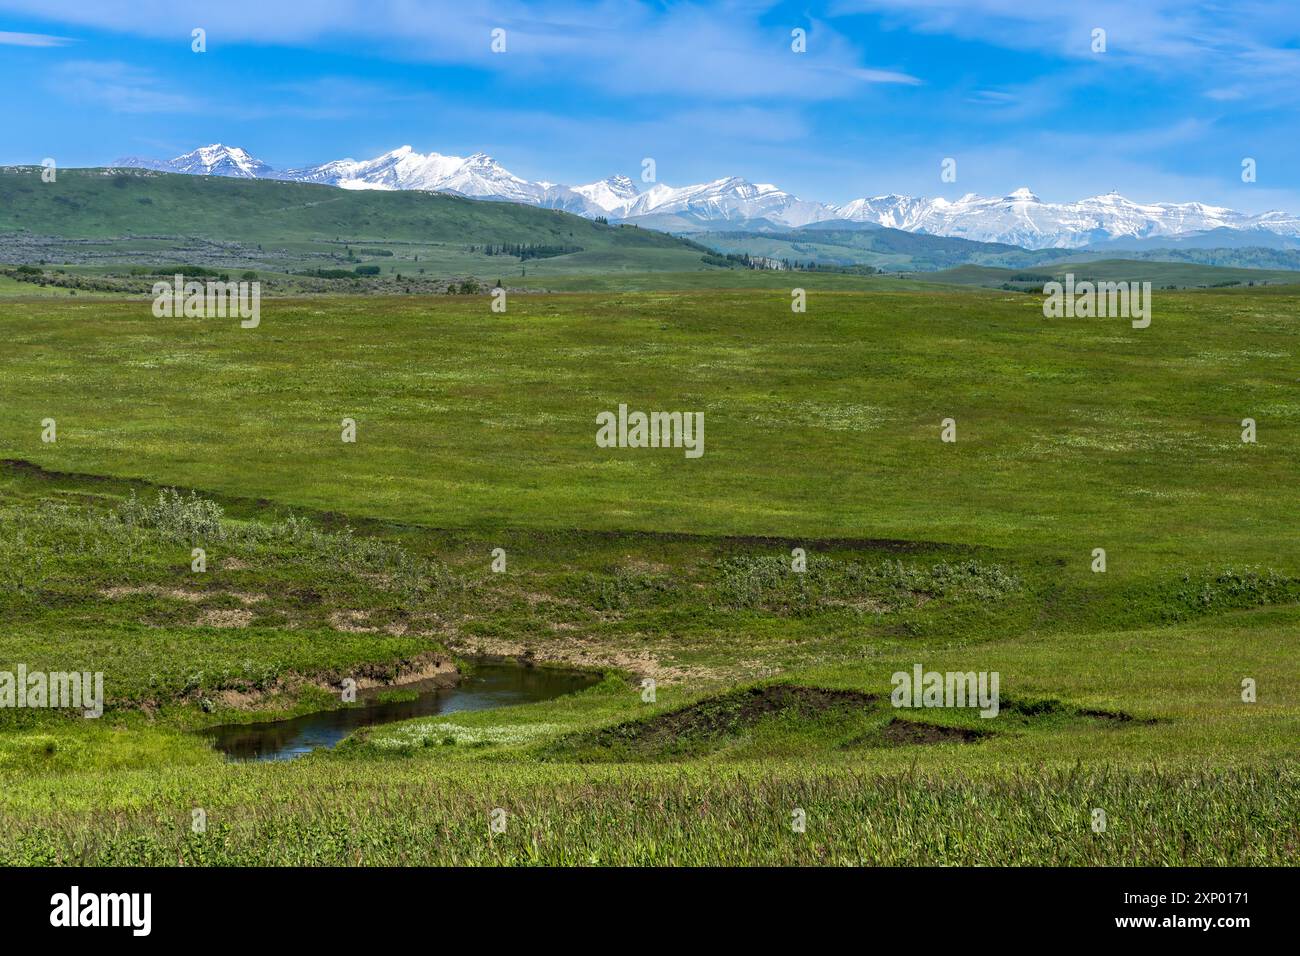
[641, 566]
[240, 699]
[739, 709]
[225, 617]
[234, 564]
[353, 622]
[34, 470]
[430, 669]
[1050, 707]
[178, 594]
[900, 732]
[424, 668]
[153, 590]
[1116, 716]
[570, 649]
[714, 719]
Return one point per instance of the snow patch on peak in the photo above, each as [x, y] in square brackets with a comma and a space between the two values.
[612, 195]
[215, 159]
[1023, 194]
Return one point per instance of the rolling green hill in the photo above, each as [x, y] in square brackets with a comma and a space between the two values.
[893, 250]
[890, 250]
[311, 222]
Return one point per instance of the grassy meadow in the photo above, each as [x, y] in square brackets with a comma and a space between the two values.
[475, 430]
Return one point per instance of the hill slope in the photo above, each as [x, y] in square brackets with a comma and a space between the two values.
[893, 250]
[110, 203]
[880, 247]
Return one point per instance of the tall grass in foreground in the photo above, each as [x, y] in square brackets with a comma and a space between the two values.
[688, 816]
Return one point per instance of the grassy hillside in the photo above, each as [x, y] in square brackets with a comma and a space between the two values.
[1229, 256]
[311, 221]
[890, 250]
[893, 250]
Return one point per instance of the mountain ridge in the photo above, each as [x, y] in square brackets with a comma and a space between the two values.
[1019, 218]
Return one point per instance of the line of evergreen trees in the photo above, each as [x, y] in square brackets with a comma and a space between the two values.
[746, 261]
[524, 250]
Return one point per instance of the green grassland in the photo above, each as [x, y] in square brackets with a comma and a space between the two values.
[1071, 433]
[1161, 275]
[128, 215]
[1120, 691]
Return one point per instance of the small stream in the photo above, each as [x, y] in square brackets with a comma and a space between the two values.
[490, 685]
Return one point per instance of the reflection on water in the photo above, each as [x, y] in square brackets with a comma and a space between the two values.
[491, 685]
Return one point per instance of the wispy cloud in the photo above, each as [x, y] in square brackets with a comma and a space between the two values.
[720, 51]
[32, 39]
[118, 87]
[1256, 42]
[884, 76]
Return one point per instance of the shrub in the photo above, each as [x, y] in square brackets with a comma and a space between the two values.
[176, 516]
[768, 583]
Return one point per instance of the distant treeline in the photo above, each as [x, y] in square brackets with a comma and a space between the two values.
[525, 250]
[185, 270]
[742, 260]
[340, 273]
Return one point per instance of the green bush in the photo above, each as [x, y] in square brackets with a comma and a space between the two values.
[176, 516]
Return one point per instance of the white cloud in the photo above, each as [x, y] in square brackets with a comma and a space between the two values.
[717, 51]
[1256, 41]
[118, 87]
[32, 39]
[884, 76]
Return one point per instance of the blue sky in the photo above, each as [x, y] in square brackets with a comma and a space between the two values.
[886, 90]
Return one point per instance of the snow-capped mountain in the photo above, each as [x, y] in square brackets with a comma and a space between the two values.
[612, 195]
[1022, 219]
[729, 200]
[1019, 218]
[214, 160]
[404, 168]
[892, 211]
[478, 177]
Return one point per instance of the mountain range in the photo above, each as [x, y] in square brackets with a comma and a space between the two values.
[732, 203]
